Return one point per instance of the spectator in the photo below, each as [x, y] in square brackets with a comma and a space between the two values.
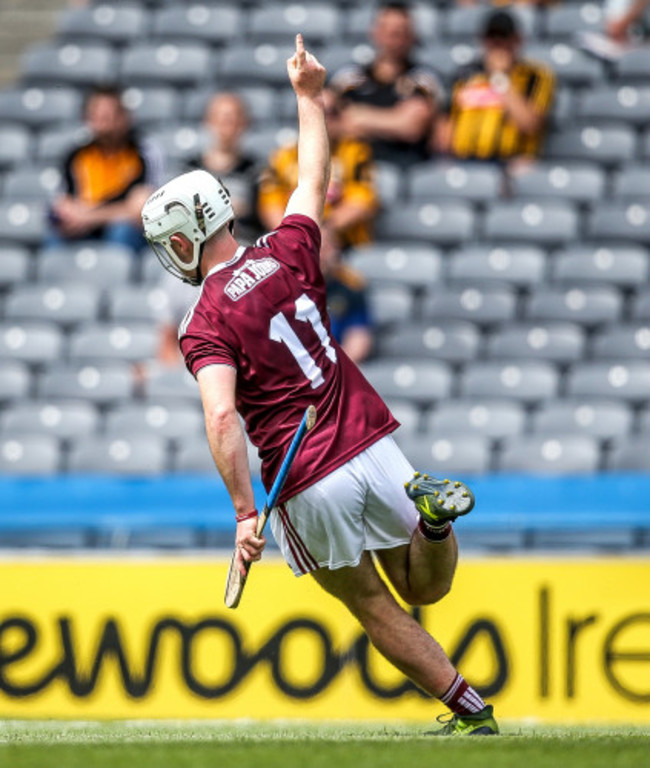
[346, 300]
[351, 196]
[499, 105]
[107, 180]
[625, 19]
[226, 119]
[391, 102]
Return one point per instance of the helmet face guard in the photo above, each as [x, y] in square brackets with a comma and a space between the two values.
[177, 219]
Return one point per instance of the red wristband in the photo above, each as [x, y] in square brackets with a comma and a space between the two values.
[246, 516]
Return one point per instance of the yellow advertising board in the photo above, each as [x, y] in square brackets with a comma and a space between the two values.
[549, 639]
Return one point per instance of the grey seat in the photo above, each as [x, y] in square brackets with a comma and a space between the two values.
[605, 144]
[446, 57]
[167, 64]
[206, 23]
[519, 265]
[645, 145]
[644, 420]
[54, 143]
[103, 23]
[484, 305]
[15, 145]
[69, 64]
[417, 381]
[626, 380]
[39, 184]
[337, 56]
[263, 64]
[550, 454]
[164, 384]
[602, 419]
[558, 342]
[33, 343]
[110, 342]
[394, 263]
[278, 22]
[102, 385]
[562, 22]
[15, 263]
[22, 222]
[640, 305]
[625, 103]
[178, 142]
[408, 414]
[570, 65]
[15, 381]
[151, 106]
[475, 183]
[91, 262]
[580, 183]
[631, 342]
[585, 305]
[525, 381]
[633, 66]
[261, 103]
[619, 221]
[63, 420]
[133, 455]
[455, 456]
[29, 455]
[390, 304]
[632, 183]
[262, 141]
[128, 303]
[444, 223]
[193, 457]
[543, 223]
[388, 180]
[63, 304]
[622, 266]
[466, 22]
[494, 419]
[40, 107]
[171, 421]
[630, 455]
[360, 18]
[451, 341]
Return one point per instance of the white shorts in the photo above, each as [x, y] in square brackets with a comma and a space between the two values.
[360, 506]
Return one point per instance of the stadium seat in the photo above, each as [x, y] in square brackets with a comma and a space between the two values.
[261, 101]
[167, 64]
[580, 183]
[626, 380]
[15, 265]
[193, 457]
[64, 304]
[634, 65]
[134, 455]
[336, 56]
[640, 305]
[171, 421]
[444, 223]
[264, 64]
[178, 142]
[630, 342]
[630, 455]
[205, 23]
[164, 384]
[53, 144]
[547, 223]
[103, 24]
[408, 414]
[550, 454]
[15, 146]
[390, 304]
[63, 420]
[40, 107]
[645, 145]
[29, 455]
[102, 385]
[632, 183]
[33, 343]
[557, 342]
[22, 222]
[570, 65]
[612, 221]
[525, 381]
[279, 23]
[39, 184]
[624, 103]
[622, 266]
[562, 22]
[388, 183]
[587, 306]
[446, 58]
[521, 266]
[598, 418]
[92, 262]
[483, 305]
[450, 341]
[360, 18]
[69, 64]
[135, 342]
[129, 303]
[417, 381]
[494, 419]
[151, 106]
[475, 183]
[398, 263]
[15, 381]
[644, 420]
[262, 141]
[454, 456]
[605, 144]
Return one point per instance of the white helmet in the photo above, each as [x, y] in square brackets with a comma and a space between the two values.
[194, 204]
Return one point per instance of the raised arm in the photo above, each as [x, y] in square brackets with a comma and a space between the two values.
[307, 78]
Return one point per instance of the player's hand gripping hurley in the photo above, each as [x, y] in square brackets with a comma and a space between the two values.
[236, 581]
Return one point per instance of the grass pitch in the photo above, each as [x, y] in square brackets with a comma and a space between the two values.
[43, 744]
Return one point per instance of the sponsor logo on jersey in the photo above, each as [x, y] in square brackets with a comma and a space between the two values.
[249, 276]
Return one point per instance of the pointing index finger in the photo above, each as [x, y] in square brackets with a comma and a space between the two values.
[300, 49]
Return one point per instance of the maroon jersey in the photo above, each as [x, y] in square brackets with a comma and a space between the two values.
[264, 313]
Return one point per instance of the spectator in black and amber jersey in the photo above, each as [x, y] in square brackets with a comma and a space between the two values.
[106, 180]
[499, 105]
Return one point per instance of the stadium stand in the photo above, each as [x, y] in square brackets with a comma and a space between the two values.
[512, 314]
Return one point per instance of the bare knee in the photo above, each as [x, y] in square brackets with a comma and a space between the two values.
[426, 594]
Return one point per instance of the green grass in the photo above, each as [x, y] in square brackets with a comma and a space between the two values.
[42, 744]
